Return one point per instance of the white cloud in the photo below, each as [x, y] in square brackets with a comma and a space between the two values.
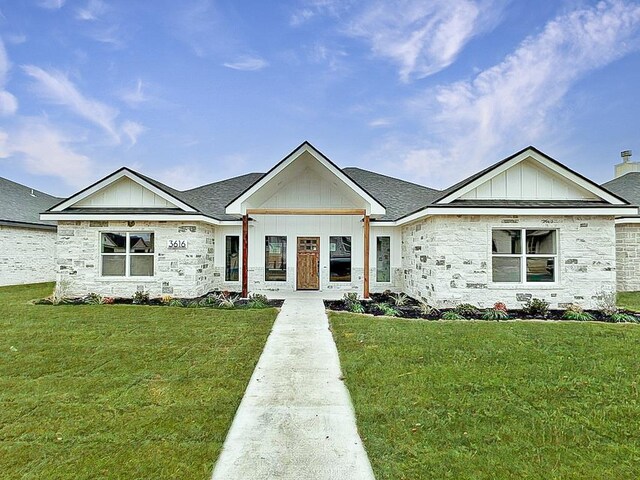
[92, 11]
[423, 37]
[247, 63]
[46, 151]
[380, 122]
[51, 4]
[135, 96]
[314, 8]
[8, 102]
[132, 130]
[55, 87]
[514, 99]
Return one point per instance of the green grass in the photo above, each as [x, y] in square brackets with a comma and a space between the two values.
[119, 392]
[487, 400]
[629, 300]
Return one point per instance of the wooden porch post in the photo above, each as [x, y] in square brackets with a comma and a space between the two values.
[245, 256]
[366, 257]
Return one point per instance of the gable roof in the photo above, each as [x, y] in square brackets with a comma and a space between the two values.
[21, 205]
[402, 200]
[235, 206]
[455, 191]
[155, 186]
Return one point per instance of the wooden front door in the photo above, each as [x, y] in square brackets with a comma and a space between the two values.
[308, 265]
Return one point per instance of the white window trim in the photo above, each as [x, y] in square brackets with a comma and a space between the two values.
[523, 257]
[376, 258]
[339, 282]
[240, 259]
[127, 255]
[286, 259]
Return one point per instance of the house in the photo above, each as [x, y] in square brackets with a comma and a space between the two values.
[626, 184]
[525, 227]
[28, 243]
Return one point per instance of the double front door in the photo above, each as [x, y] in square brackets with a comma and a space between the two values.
[308, 263]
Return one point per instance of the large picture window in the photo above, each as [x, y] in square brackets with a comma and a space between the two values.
[524, 256]
[127, 254]
[232, 258]
[275, 259]
[340, 259]
[383, 259]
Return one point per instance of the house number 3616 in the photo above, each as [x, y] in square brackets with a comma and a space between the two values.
[176, 244]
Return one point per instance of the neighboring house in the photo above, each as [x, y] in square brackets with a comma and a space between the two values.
[525, 227]
[627, 185]
[28, 243]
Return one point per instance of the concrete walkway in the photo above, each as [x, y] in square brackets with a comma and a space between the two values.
[295, 420]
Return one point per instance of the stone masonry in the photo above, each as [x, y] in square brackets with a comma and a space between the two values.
[179, 273]
[628, 256]
[447, 261]
[27, 255]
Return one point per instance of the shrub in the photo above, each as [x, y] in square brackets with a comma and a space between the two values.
[166, 299]
[399, 299]
[141, 298]
[387, 310]
[536, 306]
[467, 310]
[176, 303]
[257, 300]
[500, 306]
[108, 300]
[93, 299]
[607, 303]
[426, 309]
[211, 300]
[620, 317]
[495, 314]
[452, 315]
[575, 312]
[228, 302]
[352, 303]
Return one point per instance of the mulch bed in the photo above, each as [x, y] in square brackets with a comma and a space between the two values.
[411, 309]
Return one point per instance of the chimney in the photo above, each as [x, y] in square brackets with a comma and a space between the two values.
[627, 165]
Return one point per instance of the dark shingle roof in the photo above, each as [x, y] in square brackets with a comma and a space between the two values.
[398, 196]
[626, 186]
[213, 198]
[18, 206]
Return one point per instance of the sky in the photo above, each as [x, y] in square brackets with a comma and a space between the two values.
[196, 91]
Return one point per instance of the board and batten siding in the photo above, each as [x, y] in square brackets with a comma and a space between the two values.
[530, 181]
[124, 193]
[322, 226]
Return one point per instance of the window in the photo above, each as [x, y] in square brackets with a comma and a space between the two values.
[340, 259]
[275, 259]
[524, 255]
[383, 259]
[232, 258]
[127, 254]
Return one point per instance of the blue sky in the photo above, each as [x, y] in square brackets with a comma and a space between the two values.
[195, 91]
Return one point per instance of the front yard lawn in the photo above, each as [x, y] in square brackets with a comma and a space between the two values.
[489, 400]
[113, 391]
[629, 300]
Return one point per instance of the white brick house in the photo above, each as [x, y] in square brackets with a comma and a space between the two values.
[28, 243]
[526, 226]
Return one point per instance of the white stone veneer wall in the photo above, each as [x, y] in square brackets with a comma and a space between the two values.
[180, 273]
[628, 256]
[27, 255]
[447, 260]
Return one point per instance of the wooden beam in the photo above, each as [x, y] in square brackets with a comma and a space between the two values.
[306, 211]
[365, 293]
[245, 256]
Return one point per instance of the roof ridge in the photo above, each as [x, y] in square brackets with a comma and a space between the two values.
[29, 188]
[223, 180]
